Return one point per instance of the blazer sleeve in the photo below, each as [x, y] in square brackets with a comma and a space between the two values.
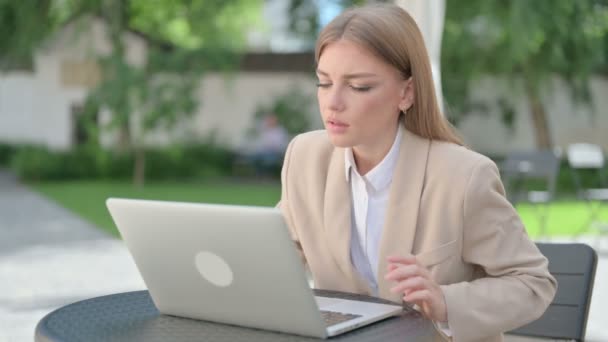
[284, 204]
[515, 287]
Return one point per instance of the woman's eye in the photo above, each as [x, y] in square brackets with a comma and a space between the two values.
[361, 88]
[323, 85]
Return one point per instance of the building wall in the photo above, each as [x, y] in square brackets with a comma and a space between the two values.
[228, 105]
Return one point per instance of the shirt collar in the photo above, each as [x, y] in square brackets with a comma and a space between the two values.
[381, 175]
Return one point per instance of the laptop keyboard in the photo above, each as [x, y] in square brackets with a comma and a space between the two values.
[333, 317]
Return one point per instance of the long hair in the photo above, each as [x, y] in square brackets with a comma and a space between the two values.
[390, 33]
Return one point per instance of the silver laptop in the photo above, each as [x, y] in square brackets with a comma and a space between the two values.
[231, 264]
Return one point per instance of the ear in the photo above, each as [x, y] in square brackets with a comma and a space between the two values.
[407, 95]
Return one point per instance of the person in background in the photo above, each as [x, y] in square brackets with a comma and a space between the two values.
[387, 201]
[269, 148]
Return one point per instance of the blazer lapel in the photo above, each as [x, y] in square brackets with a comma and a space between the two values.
[337, 219]
[406, 187]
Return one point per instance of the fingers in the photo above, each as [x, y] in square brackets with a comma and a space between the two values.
[414, 281]
[399, 272]
[419, 296]
[394, 263]
[410, 285]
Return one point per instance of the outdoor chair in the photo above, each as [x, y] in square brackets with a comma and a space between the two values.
[573, 265]
[590, 158]
[531, 177]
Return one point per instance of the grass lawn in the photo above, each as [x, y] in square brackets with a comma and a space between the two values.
[87, 199]
[564, 218]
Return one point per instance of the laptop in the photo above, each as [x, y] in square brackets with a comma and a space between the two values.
[231, 264]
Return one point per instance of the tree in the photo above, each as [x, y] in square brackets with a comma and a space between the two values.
[23, 26]
[526, 41]
[185, 38]
[161, 93]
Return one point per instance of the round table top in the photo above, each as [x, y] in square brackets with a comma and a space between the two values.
[132, 316]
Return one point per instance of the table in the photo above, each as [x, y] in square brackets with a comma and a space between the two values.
[132, 316]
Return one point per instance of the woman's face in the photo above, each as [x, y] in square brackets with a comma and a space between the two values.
[359, 96]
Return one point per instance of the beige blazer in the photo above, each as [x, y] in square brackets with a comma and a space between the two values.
[446, 206]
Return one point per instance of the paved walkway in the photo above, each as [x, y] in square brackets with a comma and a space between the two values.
[49, 258]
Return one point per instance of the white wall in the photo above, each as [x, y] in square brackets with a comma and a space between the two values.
[16, 116]
[33, 109]
[228, 106]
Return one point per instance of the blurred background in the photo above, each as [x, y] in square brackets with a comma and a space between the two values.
[196, 100]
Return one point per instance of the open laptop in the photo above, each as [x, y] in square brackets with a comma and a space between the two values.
[231, 264]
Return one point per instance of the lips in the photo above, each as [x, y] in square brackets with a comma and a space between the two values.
[337, 123]
[336, 127]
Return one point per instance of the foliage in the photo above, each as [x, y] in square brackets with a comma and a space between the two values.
[527, 41]
[16, 45]
[36, 162]
[25, 25]
[196, 24]
[6, 154]
[188, 24]
[195, 161]
[161, 93]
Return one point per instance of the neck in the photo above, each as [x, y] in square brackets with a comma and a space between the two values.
[369, 156]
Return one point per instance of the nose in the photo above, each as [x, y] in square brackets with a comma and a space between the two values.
[335, 99]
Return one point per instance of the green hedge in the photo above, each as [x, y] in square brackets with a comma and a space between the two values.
[193, 161]
[6, 154]
[34, 163]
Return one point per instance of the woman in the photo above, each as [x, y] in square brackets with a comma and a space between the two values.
[386, 201]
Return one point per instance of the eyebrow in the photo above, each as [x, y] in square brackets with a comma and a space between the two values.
[349, 76]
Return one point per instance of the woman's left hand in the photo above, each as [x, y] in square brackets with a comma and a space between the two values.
[415, 283]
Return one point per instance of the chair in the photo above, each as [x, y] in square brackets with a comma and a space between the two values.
[590, 158]
[531, 176]
[573, 265]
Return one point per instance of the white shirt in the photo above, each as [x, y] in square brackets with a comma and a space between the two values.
[370, 201]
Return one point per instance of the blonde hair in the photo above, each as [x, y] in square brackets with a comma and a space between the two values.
[391, 33]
